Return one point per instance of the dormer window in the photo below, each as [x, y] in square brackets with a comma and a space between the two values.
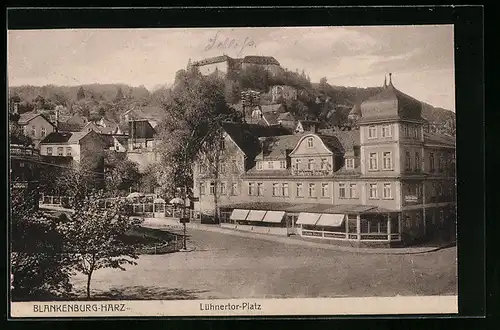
[282, 164]
[372, 132]
[310, 142]
[259, 165]
[270, 165]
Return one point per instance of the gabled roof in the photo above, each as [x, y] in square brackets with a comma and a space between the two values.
[149, 112]
[270, 118]
[262, 60]
[242, 135]
[276, 147]
[26, 117]
[271, 107]
[69, 127]
[65, 137]
[332, 143]
[285, 116]
[348, 139]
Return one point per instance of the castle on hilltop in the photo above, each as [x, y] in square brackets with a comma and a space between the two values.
[224, 64]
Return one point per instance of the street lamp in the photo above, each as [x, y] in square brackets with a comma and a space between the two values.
[183, 219]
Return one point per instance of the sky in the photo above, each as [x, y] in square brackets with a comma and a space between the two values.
[420, 58]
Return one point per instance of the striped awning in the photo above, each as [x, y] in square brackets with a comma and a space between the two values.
[239, 214]
[308, 218]
[274, 216]
[256, 215]
[332, 220]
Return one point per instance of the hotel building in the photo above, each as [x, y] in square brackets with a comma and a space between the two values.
[386, 183]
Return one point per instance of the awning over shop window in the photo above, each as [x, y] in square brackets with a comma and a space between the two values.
[256, 215]
[308, 218]
[239, 214]
[332, 220]
[274, 216]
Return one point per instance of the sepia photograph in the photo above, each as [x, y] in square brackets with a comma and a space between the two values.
[232, 171]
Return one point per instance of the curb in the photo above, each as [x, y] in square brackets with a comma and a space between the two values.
[299, 242]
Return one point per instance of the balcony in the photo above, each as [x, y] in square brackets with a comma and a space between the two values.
[24, 151]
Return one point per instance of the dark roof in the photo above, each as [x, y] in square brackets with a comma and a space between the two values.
[255, 173]
[391, 104]
[332, 142]
[276, 147]
[149, 112]
[308, 207]
[285, 116]
[64, 137]
[436, 138]
[348, 139]
[272, 107]
[271, 118]
[69, 127]
[212, 60]
[263, 60]
[242, 135]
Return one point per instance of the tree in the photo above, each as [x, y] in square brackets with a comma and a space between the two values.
[120, 173]
[195, 111]
[96, 237]
[39, 264]
[119, 94]
[80, 95]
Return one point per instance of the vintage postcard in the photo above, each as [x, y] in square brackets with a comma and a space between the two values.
[232, 171]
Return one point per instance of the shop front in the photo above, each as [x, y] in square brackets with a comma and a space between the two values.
[258, 221]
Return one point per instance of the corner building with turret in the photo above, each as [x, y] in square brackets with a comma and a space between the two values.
[386, 183]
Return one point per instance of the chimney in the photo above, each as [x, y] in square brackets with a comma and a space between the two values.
[57, 119]
[385, 82]
[390, 79]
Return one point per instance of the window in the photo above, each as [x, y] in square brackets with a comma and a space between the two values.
[60, 151]
[387, 156]
[223, 144]
[234, 189]
[270, 165]
[324, 190]
[251, 189]
[212, 188]
[299, 190]
[373, 165]
[373, 191]
[310, 142]
[275, 189]
[260, 189]
[441, 163]
[297, 164]
[386, 131]
[372, 132]
[33, 130]
[342, 190]
[417, 161]
[222, 187]
[349, 163]
[408, 161]
[352, 190]
[310, 164]
[43, 131]
[387, 191]
[222, 168]
[312, 190]
[284, 189]
[68, 151]
[49, 151]
[431, 161]
[234, 165]
[405, 130]
[202, 188]
[417, 220]
[259, 165]
[324, 162]
[282, 163]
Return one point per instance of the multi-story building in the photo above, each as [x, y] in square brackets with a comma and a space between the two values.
[386, 183]
[36, 126]
[225, 65]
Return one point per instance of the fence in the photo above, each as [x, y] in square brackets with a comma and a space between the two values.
[147, 209]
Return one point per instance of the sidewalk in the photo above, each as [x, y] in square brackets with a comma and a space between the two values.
[170, 224]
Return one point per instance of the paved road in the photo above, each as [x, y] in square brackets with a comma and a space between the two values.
[226, 266]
